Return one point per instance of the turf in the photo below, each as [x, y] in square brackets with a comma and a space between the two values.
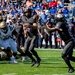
[51, 64]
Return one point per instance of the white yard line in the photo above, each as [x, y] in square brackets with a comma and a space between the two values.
[10, 74]
[40, 74]
[46, 49]
[64, 74]
[52, 74]
[49, 49]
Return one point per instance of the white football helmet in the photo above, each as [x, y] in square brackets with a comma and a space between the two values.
[3, 55]
[2, 24]
[59, 16]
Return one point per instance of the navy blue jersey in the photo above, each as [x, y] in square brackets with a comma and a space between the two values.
[31, 32]
[65, 34]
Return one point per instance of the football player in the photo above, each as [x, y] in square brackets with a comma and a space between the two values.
[30, 24]
[6, 40]
[63, 28]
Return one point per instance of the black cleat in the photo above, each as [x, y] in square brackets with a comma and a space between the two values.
[71, 70]
[17, 56]
[33, 63]
[38, 63]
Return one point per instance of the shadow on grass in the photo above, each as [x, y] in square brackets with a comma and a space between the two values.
[42, 64]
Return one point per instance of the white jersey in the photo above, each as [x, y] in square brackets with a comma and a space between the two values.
[6, 35]
[6, 39]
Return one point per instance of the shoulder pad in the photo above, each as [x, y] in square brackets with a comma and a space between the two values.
[11, 28]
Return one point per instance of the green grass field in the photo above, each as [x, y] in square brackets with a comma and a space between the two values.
[51, 64]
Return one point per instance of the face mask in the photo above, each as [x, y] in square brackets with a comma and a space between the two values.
[4, 29]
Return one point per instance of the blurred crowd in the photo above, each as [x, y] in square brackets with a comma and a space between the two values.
[12, 12]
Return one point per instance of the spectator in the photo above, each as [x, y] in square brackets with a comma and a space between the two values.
[19, 29]
[66, 1]
[44, 5]
[41, 34]
[73, 11]
[58, 40]
[43, 17]
[49, 25]
[53, 3]
[53, 10]
[29, 3]
[70, 5]
[65, 12]
[38, 6]
[60, 4]
[48, 1]
[47, 11]
[39, 1]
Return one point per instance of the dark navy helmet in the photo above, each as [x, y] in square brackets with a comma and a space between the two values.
[60, 18]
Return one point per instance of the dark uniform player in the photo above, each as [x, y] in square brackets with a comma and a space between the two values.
[19, 30]
[43, 36]
[49, 25]
[30, 42]
[67, 37]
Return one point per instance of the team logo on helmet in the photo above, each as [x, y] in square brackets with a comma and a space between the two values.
[3, 55]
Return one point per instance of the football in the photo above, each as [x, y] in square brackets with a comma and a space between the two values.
[3, 55]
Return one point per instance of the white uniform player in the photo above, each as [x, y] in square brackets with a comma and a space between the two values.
[6, 40]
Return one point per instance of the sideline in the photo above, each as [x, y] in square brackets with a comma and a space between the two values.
[46, 49]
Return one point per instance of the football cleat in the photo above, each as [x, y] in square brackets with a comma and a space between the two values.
[23, 58]
[13, 62]
[33, 63]
[71, 70]
[38, 63]
[26, 58]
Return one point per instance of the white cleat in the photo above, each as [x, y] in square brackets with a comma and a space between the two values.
[23, 58]
[13, 62]
[26, 58]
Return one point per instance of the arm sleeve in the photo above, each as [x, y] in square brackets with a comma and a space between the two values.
[30, 20]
